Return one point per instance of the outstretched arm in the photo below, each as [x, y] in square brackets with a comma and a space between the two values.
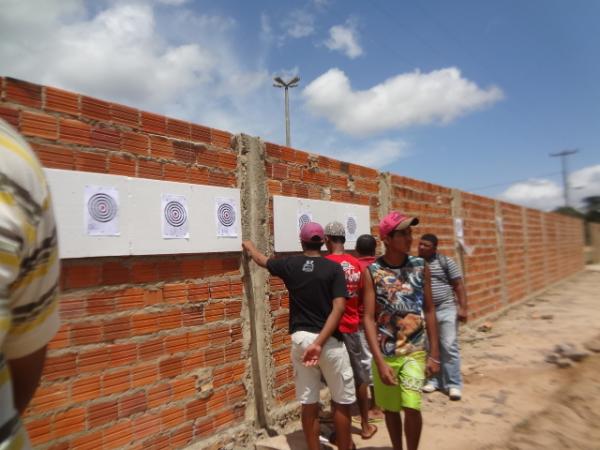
[254, 253]
[458, 285]
[433, 359]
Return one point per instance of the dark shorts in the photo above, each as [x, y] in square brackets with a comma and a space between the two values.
[356, 354]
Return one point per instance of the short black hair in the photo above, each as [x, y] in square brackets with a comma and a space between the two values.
[366, 245]
[430, 238]
[312, 245]
[337, 239]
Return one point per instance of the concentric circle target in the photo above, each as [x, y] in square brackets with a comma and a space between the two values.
[303, 220]
[102, 207]
[175, 214]
[351, 225]
[226, 215]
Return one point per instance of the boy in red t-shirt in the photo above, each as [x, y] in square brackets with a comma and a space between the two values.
[335, 237]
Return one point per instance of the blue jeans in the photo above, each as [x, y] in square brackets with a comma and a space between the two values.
[449, 375]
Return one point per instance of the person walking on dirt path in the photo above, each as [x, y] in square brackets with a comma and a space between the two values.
[450, 301]
[399, 313]
[335, 238]
[317, 290]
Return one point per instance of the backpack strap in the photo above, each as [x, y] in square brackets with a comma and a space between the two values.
[443, 259]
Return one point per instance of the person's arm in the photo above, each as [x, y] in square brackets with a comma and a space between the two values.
[313, 351]
[254, 253]
[433, 359]
[25, 374]
[458, 286]
[385, 371]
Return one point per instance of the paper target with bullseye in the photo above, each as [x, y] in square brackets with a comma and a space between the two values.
[226, 216]
[303, 218]
[174, 217]
[351, 225]
[101, 211]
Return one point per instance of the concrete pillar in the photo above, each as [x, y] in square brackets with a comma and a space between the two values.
[457, 213]
[500, 254]
[526, 255]
[255, 226]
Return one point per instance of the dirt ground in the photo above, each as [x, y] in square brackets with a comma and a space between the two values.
[513, 398]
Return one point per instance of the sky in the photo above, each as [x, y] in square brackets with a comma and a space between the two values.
[473, 95]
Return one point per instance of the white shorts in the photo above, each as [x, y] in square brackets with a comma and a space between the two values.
[334, 364]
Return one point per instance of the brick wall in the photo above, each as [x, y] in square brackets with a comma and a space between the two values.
[156, 352]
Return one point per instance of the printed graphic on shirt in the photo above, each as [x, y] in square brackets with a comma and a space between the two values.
[399, 306]
[309, 266]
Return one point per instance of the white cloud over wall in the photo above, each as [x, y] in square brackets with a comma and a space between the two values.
[405, 100]
[547, 194]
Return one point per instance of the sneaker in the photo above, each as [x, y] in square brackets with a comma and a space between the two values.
[454, 394]
[429, 388]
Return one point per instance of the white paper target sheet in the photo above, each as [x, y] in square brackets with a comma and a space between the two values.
[291, 213]
[112, 215]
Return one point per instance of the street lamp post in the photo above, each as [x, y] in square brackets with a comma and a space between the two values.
[563, 157]
[279, 83]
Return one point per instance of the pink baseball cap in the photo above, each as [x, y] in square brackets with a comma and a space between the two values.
[395, 221]
[312, 232]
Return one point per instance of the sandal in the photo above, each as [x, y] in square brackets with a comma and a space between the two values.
[369, 435]
[332, 437]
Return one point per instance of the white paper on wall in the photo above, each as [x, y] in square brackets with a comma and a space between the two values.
[225, 215]
[174, 217]
[101, 211]
[458, 228]
[351, 225]
[499, 224]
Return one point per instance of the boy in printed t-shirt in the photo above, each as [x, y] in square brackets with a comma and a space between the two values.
[398, 312]
[317, 289]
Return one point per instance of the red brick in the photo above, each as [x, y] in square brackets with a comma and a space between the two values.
[174, 172]
[170, 367]
[124, 115]
[198, 175]
[181, 437]
[200, 133]
[23, 92]
[62, 366]
[48, 398]
[118, 328]
[55, 156]
[119, 435]
[123, 354]
[69, 422]
[227, 161]
[175, 344]
[74, 132]
[115, 382]
[159, 395]
[39, 125]
[171, 418]
[153, 123]
[146, 425]
[61, 338]
[102, 413]
[90, 162]
[104, 137]
[61, 101]
[161, 147]
[132, 298]
[143, 272]
[115, 272]
[196, 408]
[184, 152]
[39, 430]
[204, 427]
[90, 441]
[183, 389]
[85, 333]
[178, 128]
[144, 323]
[102, 302]
[135, 143]
[95, 109]
[198, 292]
[93, 360]
[144, 375]
[132, 404]
[192, 316]
[220, 138]
[206, 156]
[221, 179]
[11, 115]
[149, 169]
[85, 388]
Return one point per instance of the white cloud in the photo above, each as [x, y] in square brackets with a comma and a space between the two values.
[376, 154]
[547, 195]
[299, 24]
[120, 54]
[172, 2]
[344, 38]
[404, 100]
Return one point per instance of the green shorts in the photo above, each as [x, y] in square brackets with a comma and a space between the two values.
[410, 370]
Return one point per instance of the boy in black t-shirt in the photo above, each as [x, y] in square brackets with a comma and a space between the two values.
[317, 289]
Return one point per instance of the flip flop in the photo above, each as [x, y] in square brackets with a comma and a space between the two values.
[370, 435]
[332, 437]
[358, 420]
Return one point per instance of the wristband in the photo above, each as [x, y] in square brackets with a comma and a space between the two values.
[433, 359]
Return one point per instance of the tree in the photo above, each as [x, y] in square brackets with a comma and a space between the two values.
[592, 208]
[569, 211]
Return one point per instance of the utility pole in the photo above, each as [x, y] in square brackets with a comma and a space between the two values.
[279, 83]
[563, 157]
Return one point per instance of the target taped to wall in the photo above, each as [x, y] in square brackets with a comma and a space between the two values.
[303, 218]
[225, 216]
[101, 211]
[174, 217]
[351, 226]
